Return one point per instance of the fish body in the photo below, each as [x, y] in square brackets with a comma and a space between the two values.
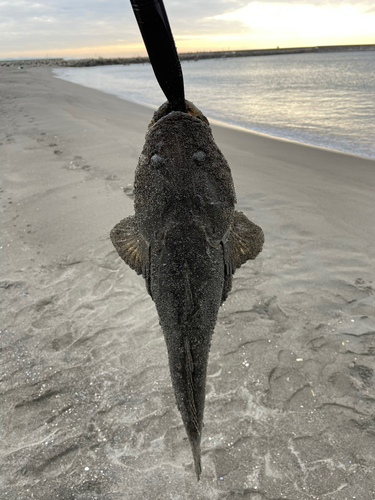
[186, 239]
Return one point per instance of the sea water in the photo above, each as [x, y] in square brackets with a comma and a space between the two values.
[325, 99]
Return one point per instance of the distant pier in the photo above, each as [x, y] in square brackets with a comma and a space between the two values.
[188, 56]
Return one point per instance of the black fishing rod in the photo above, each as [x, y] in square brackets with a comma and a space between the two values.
[156, 32]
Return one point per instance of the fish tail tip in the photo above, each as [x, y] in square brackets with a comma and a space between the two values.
[197, 458]
[198, 467]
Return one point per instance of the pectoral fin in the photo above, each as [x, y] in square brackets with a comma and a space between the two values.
[245, 241]
[131, 246]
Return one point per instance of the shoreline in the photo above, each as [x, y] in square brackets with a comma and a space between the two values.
[186, 56]
[87, 409]
[227, 134]
[222, 123]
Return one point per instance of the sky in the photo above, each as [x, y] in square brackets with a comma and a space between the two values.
[107, 28]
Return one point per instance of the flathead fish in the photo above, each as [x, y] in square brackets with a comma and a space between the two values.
[186, 239]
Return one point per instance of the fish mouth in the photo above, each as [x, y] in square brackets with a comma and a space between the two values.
[167, 108]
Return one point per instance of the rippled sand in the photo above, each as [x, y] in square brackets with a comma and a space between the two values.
[88, 410]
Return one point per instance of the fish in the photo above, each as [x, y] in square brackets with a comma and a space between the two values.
[186, 239]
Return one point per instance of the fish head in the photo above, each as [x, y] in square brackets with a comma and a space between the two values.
[182, 176]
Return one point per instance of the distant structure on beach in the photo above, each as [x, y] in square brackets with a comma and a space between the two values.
[189, 56]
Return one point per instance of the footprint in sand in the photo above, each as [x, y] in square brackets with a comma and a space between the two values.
[76, 164]
[129, 190]
[63, 336]
[289, 383]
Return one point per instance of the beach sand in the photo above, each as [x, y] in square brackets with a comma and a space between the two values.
[88, 410]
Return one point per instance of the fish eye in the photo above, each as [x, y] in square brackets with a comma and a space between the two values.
[199, 156]
[156, 161]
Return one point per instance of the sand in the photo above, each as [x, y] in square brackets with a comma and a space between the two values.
[88, 410]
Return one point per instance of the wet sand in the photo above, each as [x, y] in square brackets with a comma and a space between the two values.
[88, 410]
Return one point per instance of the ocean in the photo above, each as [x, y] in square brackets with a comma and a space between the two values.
[319, 99]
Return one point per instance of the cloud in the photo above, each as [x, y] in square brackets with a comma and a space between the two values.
[55, 26]
[305, 19]
[50, 24]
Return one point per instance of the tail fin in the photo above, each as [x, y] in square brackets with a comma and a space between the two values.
[188, 357]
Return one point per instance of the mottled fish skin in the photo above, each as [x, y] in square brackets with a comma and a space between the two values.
[186, 239]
